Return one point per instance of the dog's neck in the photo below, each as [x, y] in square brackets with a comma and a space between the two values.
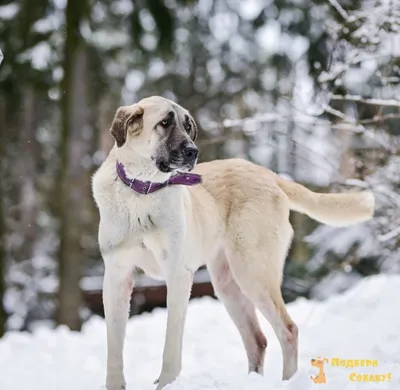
[137, 167]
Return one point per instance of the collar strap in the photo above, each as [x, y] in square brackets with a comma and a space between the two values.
[147, 187]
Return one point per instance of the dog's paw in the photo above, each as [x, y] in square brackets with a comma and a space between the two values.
[164, 380]
[115, 385]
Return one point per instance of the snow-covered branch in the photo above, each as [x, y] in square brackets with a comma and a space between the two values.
[390, 235]
[248, 124]
[375, 102]
[339, 9]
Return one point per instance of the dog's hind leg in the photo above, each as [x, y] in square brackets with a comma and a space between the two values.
[256, 262]
[285, 329]
[241, 311]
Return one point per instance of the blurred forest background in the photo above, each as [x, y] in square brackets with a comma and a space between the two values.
[309, 89]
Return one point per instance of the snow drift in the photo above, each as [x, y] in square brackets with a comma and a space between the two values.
[361, 325]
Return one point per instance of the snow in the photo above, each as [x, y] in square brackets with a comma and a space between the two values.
[39, 55]
[223, 25]
[252, 8]
[341, 241]
[268, 36]
[8, 11]
[48, 24]
[122, 7]
[360, 324]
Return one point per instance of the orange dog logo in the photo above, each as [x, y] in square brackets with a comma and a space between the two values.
[319, 363]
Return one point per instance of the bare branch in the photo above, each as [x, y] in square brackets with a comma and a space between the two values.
[241, 135]
[379, 118]
[267, 118]
[357, 126]
[360, 99]
[346, 123]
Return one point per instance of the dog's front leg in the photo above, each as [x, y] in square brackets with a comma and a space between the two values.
[117, 289]
[179, 281]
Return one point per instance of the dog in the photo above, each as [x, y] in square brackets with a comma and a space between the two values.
[319, 363]
[164, 214]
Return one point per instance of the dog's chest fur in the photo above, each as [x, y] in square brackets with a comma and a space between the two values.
[151, 219]
[139, 224]
[143, 212]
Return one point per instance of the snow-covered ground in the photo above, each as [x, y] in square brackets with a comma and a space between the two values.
[361, 324]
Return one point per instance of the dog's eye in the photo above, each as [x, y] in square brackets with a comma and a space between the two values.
[187, 127]
[166, 122]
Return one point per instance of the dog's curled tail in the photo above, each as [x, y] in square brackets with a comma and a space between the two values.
[331, 209]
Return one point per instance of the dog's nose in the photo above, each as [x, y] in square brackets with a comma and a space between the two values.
[191, 153]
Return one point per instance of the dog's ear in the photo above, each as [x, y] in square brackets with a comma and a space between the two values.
[126, 118]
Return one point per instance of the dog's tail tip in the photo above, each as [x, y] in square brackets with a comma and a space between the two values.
[369, 200]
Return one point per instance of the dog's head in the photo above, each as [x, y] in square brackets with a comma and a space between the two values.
[157, 130]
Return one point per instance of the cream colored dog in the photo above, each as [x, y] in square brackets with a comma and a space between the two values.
[236, 222]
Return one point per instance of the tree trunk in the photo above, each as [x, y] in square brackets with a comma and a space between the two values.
[73, 184]
[27, 170]
[3, 316]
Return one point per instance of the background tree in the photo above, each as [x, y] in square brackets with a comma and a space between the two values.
[73, 179]
[3, 317]
[363, 84]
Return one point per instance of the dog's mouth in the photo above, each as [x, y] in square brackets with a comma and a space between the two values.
[168, 167]
[164, 167]
[182, 159]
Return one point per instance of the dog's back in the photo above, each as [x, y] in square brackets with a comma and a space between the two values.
[233, 182]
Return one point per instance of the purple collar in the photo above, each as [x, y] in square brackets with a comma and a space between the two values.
[147, 187]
